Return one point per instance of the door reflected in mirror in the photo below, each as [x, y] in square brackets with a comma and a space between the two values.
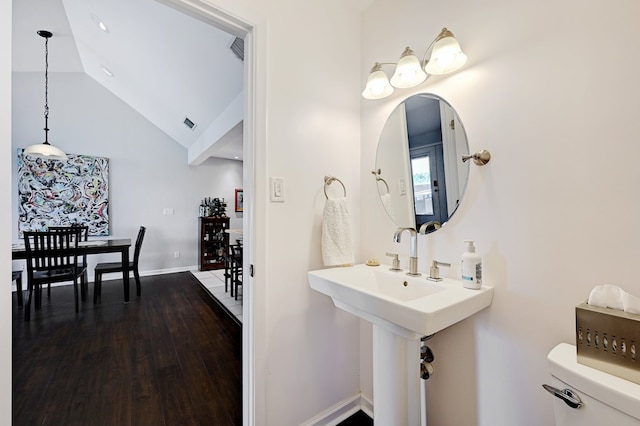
[420, 174]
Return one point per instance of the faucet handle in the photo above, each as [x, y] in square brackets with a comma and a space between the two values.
[396, 262]
[434, 271]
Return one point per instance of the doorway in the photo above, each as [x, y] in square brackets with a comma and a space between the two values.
[246, 31]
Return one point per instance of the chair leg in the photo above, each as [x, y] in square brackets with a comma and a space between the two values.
[38, 291]
[19, 290]
[83, 285]
[238, 283]
[27, 307]
[49, 291]
[75, 293]
[97, 283]
[233, 275]
[136, 274]
[227, 272]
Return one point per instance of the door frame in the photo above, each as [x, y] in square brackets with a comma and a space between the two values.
[241, 22]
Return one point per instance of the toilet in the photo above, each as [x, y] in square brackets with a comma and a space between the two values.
[604, 399]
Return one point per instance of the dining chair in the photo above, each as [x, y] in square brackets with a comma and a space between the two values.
[236, 269]
[17, 277]
[52, 256]
[83, 236]
[106, 268]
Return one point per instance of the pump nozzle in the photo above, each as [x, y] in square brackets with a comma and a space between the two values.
[470, 247]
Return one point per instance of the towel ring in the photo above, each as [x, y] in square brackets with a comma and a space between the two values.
[328, 180]
[379, 179]
[377, 174]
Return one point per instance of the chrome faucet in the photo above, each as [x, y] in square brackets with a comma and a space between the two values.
[413, 249]
[429, 227]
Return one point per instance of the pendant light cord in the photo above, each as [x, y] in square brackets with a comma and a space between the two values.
[46, 90]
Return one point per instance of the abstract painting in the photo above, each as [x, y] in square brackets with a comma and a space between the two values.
[60, 193]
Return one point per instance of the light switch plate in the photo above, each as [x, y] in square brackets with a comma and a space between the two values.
[403, 187]
[277, 189]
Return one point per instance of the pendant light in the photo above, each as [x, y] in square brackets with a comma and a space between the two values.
[45, 150]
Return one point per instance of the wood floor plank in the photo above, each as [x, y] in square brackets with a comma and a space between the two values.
[171, 357]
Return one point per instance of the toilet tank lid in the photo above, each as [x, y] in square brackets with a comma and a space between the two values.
[616, 392]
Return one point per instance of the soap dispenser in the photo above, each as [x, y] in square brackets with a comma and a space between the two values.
[471, 267]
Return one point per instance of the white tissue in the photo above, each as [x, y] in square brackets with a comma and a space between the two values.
[631, 303]
[612, 296]
[606, 296]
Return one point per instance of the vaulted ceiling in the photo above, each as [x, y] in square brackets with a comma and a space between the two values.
[166, 65]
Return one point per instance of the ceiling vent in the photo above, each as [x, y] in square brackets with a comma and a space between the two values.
[237, 47]
[190, 124]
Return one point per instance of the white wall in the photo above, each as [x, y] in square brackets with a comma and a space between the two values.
[307, 351]
[551, 90]
[148, 170]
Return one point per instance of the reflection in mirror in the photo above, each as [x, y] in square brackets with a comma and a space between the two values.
[419, 170]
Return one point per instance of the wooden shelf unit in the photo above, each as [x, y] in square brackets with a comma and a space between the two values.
[214, 242]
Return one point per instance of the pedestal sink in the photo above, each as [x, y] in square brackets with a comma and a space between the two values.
[402, 309]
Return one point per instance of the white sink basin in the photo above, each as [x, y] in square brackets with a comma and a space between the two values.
[409, 306]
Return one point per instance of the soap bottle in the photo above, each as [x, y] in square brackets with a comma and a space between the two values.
[471, 267]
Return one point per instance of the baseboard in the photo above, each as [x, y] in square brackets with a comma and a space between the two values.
[118, 275]
[342, 411]
[115, 276]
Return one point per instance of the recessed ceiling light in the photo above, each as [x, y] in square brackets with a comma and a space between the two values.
[107, 71]
[100, 23]
[236, 157]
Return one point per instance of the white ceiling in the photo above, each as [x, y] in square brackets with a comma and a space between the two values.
[165, 64]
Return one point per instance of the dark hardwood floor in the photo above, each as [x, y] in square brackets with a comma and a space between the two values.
[358, 419]
[171, 357]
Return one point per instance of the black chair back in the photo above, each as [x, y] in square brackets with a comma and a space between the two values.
[84, 230]
[136, 250]
[53, 255]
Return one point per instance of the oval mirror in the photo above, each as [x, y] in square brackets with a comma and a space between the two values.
[420, 174]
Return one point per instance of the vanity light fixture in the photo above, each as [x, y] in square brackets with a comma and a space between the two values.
[446, 57]
[45, 150]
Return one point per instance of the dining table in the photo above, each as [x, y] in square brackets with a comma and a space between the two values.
[121, 246]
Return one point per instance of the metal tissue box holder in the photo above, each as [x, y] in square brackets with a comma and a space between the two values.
[607, 340]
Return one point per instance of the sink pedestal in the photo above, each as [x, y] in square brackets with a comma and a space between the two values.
[396, 378]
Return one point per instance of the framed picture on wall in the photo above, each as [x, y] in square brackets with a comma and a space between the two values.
[239, 200]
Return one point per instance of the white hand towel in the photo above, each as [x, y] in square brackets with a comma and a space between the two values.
[337, 244]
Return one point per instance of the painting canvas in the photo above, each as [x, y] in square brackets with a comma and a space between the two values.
[59, 193]
[239, 200]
